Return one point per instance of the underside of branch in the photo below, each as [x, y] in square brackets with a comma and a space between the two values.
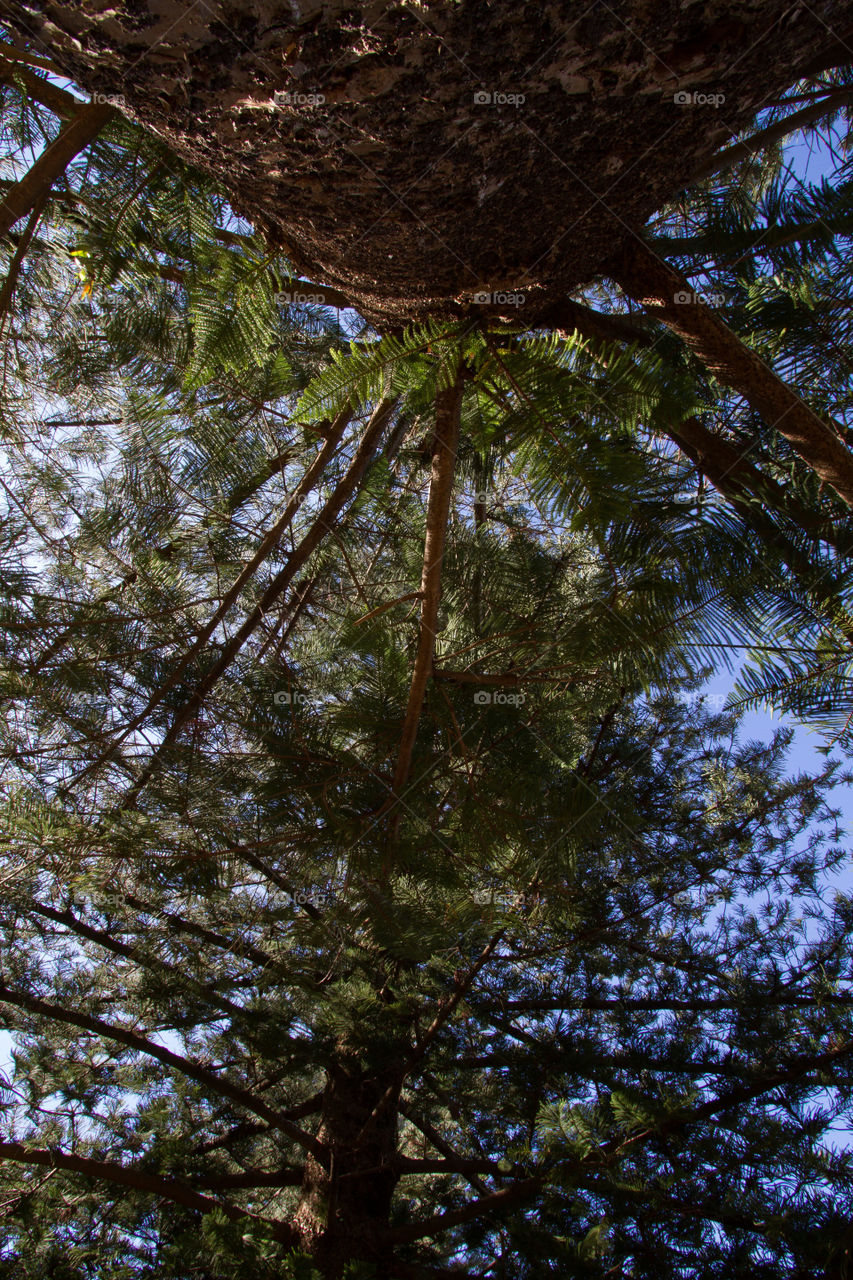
[35, 185]
[666, 294]
[136, 1179]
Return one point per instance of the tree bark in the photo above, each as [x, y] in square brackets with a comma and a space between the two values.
[448, 405]
[35, 185]
[316, 119]
[668, 295]
[345, 1202]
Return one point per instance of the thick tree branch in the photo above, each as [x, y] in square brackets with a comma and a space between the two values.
[654, 1004]
[501, 1200]
[8, 290]
[59, 101]
[734, 476]
[723, 248]
[568, 316]
[774, 133]
[459, 1165]
[137, 1180]
[666, 294]
[290, 1177]
[519, 1191]
[35, 185]
[448, 406]
[441, 1145]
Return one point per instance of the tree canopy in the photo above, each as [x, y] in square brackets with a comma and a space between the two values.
[379, 897]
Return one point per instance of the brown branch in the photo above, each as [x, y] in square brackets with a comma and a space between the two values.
[658, 287]
[289, 1177]
[742, 483]
[446, 1009]
[267, 546]
[760, 240]
[35, 185]
[509, 1196]
[441, 1145]
[507, 679]
[389, 604]
[458, 1165]
[323, 525]
[154, 963]
[448, 406]
[735, 477]
[568, 316]
[654, 1003]
[15, 54]
[773, 133]
[9, 284]
[140, 1044]
[57, 100]
[496, 1200]
[237, 947]
[137, 1180]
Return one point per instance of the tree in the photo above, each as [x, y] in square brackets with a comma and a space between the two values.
[378, 897]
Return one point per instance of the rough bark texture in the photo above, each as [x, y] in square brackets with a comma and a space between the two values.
[345, 1203]
[383, 174]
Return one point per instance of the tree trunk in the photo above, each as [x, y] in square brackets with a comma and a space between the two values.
[419, 156]
[345, 1203]
[448, 408]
